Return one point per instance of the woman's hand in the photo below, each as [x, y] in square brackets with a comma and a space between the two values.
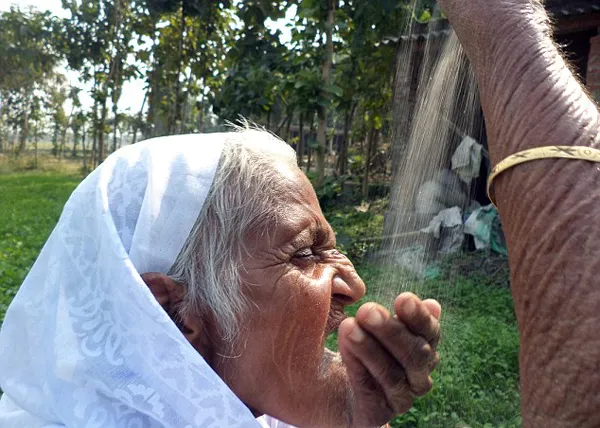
[389, 359]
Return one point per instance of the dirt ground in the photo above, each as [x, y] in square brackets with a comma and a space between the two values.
[487, 266]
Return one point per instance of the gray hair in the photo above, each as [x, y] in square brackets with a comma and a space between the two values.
[241, 199]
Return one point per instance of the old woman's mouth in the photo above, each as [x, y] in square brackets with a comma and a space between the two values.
[335, 318]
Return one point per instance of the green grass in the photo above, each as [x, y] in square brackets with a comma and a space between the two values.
[476, 384]
[30, 204]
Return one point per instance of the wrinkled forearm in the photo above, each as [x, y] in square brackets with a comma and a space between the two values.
[529, 95]
[550, 211]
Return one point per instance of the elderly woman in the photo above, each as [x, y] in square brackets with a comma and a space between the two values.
[192, 281]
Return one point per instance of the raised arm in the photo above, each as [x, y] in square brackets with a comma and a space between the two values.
[550, 209]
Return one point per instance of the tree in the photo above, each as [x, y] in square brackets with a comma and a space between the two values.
[37, 118]
[198, 60]
[315, 24]
[326, 64]
[59, 119]
[77, 118]
[365, 73]
[256, 66]
[96, 39]
[28, 62]
[178, 86]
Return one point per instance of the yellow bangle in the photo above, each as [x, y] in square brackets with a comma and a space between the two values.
[563, 152]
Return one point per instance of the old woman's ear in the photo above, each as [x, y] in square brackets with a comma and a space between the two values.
[169, 294]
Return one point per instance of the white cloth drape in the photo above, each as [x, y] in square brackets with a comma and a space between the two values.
[84, 343]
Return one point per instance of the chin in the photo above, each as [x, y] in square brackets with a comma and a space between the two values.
[332, 368]
[323, 402]
[333, 378]
[331, 357]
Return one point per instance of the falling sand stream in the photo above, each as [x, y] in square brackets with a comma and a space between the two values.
[429, 124]
[446, 113]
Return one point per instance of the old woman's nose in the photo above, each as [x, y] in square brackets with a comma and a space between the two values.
[347, 287]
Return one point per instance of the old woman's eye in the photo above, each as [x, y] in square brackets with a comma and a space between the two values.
[304, 253]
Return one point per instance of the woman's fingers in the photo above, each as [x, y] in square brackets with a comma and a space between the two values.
[417, 316]
[411, 352]
[388, 358]
[377, 377]
[434, 307]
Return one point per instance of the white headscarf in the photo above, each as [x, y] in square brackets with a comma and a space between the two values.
[84, 343]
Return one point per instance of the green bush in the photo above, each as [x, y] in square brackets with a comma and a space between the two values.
[357, 230]
[329, 192]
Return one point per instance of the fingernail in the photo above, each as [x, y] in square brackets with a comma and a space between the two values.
[410, 308]
[375, 319]
[357, 335]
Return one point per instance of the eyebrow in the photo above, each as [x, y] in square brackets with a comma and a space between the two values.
[306, 237]
[313, 236]
[323, 235]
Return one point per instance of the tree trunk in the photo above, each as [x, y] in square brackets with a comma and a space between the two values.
[300, 145]
[311, 139]
[184, 113]
[75, 138]
[115, 129]
[2, 122]
[35, 144]
[287, 128]
[371, 142]
[281, 125]
[63, 143]
[101, 134]
[116, 96]
[114, 142]
[151, 96]
[322, 113]
[137, 122]
[330, 141]
[201, 108]
[176, 107]
[343, 147]
[24, 132]
[83, 151]
[402, 107]
[94, 147]
[13, 137]
[55, 140]
[156, 124]
[201, 116]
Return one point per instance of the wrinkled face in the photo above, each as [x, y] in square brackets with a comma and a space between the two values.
[298, 285]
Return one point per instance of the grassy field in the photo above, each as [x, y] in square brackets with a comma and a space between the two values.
[30, 204]
[476, 384]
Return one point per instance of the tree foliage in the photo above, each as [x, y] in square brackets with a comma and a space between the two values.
[28, 63]
[324, 82]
